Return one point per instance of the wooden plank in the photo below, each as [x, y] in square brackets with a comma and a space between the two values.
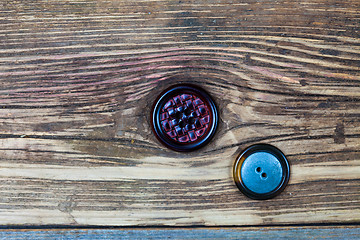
[78, 79]
[198, 233]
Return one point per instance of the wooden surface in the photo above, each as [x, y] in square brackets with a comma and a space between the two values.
[78, 78]
[267, 233]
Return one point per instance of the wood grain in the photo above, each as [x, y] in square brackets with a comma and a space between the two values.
[343, 232]
[78, 79]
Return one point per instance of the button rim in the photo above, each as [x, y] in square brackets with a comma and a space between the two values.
[261, 147]
[155, 122]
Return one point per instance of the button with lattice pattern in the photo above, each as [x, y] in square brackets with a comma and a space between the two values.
[184, 118]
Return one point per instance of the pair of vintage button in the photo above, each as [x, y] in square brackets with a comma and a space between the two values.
[184, 118]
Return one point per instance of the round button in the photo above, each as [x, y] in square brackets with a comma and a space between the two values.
[261, 171]
[184, 118]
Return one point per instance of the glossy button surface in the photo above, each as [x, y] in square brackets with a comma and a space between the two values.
[261, 171]
[184, 118]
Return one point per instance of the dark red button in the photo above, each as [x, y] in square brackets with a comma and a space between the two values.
[184, 118]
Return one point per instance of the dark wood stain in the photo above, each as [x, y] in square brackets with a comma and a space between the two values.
[339, 136]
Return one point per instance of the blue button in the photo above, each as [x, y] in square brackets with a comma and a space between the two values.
[261, 171]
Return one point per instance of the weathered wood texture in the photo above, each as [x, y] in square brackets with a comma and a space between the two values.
[78, 78]
[198, 233]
